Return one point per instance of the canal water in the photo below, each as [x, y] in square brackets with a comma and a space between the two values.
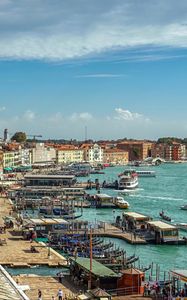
[167, 191]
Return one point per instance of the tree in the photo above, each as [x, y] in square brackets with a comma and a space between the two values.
[19, 137]
[136, 152]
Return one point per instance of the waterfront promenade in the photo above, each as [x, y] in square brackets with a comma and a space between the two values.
[16, 252]
[48, 285]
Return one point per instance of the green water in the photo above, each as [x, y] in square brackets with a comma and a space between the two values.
[37, 270]
[167, 191]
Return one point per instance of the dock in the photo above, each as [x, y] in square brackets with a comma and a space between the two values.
[115, 232]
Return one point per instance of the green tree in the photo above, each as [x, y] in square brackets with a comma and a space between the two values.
[19, 137]
[136, 152]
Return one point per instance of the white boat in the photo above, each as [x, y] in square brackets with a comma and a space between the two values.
[128, 180]
[121, 203]
[184, 207]
[147, 173]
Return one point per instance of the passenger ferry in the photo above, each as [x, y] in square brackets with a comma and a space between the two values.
[128, 180]
[147, 173]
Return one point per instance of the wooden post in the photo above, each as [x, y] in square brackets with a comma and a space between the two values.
[90, 275]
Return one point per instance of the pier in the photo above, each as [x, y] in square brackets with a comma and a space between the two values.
[115, 232]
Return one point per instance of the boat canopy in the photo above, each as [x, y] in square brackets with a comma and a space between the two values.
[159, 225]
[136, 216]
[98, 269]
[46, 221]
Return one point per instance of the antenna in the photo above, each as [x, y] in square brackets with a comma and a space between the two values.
[86, 133]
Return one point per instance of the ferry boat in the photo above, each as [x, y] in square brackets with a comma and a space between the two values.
[147, 173]
[128, 180]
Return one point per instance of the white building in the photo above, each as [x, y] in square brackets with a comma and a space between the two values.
[41, 154]
[94, 154]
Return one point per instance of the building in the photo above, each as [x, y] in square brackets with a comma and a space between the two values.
[71, 155]
[115, 156]
[138, 150]
[93, 153]
[169, 152]
[8, 159]
[42, 154]
[49, 180]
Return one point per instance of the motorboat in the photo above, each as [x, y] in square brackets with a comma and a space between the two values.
[121, 203]
[128, 180]
[184, 207]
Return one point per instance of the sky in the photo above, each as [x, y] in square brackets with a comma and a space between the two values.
[115, 67]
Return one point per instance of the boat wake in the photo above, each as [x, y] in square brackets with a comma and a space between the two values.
[128, 191]
[157, 197]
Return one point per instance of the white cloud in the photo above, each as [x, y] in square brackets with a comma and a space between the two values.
[2, 108]
[84, 116]
[126, 115]
[75, 28]
[56, 118]
[29, 115]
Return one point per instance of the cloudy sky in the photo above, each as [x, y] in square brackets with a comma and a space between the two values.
[118, 67]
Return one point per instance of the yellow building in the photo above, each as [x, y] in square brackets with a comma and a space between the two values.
[8, 159]
[65, 156]
[115, 156]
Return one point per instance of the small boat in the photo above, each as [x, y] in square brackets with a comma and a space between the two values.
[121, 203]
[164, 217]
[184, 207]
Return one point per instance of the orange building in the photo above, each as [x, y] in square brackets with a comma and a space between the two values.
[138, 150]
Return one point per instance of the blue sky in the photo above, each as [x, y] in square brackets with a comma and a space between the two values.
[118, 67]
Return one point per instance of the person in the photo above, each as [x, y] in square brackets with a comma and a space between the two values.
[39, 295]
[60, 294]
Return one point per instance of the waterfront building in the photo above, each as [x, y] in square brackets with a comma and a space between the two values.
[115, 156]
[42, 153]
[49, 180]
[169, 152]
[138, 150]
[93, 153]
[69, 155]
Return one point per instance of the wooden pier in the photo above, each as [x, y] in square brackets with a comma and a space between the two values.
[115, 232]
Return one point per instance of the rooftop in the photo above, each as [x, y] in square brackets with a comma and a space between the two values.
[161, 225]
[98, 269]
[36, 176]
[136, 216]
[9, 288]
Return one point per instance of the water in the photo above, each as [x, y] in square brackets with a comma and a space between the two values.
[37, 270]
[167, 191]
